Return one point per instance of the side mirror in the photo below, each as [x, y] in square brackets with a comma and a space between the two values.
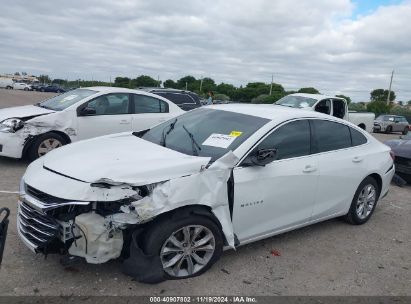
[261, 157]
[88, 111]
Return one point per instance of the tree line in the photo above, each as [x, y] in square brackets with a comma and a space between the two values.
[252, 92]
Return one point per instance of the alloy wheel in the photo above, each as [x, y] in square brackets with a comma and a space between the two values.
[48, 145]
[366, 201]
[187, 250]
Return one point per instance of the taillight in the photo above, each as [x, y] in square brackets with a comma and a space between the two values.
[392, 154]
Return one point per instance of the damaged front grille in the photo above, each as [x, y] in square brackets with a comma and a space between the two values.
[37, 227]
[44, 197]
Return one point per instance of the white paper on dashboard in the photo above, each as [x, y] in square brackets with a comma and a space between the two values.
[219, 140]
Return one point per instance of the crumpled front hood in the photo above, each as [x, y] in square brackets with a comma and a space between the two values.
[121, 158]
[23, 111]
[400, 147]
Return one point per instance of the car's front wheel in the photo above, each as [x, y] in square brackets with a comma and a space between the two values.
[388, 130]
[364, 202]
[44, 144]
[405, 131]
[186, 246]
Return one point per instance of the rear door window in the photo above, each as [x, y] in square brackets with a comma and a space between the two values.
[331, 135]
[148, 104]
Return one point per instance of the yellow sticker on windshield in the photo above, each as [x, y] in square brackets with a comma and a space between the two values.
[235, 133]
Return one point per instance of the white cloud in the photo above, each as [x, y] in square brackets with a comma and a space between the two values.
[304, 43]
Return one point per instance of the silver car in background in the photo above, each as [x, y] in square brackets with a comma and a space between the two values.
[391, 123]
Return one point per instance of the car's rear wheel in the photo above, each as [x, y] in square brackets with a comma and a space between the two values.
[364, 202]
[44, 144]
[388, 130]
[405, 131]
[187, 246]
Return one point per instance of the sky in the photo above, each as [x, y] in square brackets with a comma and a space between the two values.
[339, 47]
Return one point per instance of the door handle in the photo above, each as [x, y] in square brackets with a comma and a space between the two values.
[309, 168]
[357, 159]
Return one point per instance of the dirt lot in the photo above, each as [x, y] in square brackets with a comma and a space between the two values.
[330, 258]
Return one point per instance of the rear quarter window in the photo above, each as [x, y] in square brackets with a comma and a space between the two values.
[357, 138]
[331, 135]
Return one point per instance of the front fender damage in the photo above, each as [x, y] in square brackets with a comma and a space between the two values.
[40, 124]
[103, 238]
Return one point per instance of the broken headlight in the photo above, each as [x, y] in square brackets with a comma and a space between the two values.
[11, 125]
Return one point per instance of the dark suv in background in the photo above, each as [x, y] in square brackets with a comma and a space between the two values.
[186, 100]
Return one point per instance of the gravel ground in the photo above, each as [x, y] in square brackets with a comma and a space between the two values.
[329, 258]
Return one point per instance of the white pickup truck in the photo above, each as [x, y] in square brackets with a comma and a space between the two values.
[330, 105]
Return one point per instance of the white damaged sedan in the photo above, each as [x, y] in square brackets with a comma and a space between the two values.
[35, 130]
[170, 199]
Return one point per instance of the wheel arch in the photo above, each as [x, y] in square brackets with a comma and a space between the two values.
[362, 126]
[31, 138]
[202, 210]
[378, 179]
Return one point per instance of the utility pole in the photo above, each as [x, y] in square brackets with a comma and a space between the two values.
[201, 85]
[186, 86]
[271, 86]
[158, 80]
[389, 90]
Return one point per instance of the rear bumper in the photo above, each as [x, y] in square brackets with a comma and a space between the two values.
[11, 145]
[386, 181]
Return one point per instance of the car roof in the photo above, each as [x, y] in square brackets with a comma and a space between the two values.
[275, 113]
[170, 90]
[314, 96]
[112, 89]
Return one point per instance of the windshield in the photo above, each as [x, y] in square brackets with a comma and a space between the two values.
[63, 101]
[205, 132]
[385, 118]
[296, 101]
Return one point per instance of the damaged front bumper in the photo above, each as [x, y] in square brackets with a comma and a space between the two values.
[94, 225]
[11, 144]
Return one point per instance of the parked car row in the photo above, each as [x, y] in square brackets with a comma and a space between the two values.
[48, 88]
[8, 83]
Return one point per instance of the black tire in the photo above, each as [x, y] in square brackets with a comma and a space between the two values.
[405, 131]
[25, 89]
[33, 150]
[159, 231]
[42, 90]
[352, 217]
[388, 130]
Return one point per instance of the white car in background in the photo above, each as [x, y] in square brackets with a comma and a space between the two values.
[6, 83]
[171, 198]
[330, 105]
[79, 114]
[21, 86]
